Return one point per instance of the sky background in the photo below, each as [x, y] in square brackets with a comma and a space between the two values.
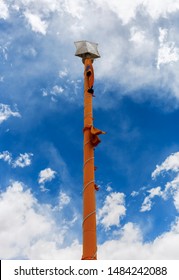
[41, 122]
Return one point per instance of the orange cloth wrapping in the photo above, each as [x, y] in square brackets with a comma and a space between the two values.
[95, 140]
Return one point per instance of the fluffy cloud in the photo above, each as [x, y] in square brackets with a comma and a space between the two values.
[45, 175]
[6, 112]
[134, 193]
[167, 52]
[37, 24]
[113, 210]
[135, 57]
[49, 250]
[6, 156]
[170, 163]
[22, 160]
[28, 229]
[170, 189]
[41, 6]
[130, 245]
[22, 223]
[126, 10]
[63, 73]
[64, 199]
[176, 199]
[57, 90]
[160, 8]
[4, 13]
[147, 204]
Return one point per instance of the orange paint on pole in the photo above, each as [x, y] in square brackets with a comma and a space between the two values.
[89, 200]
[88, 52]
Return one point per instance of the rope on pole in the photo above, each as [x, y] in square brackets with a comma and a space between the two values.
[88, 160]
[87, 185]
[90, 214]
[87, 142]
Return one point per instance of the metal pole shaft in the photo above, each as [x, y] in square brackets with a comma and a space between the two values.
[89, 200]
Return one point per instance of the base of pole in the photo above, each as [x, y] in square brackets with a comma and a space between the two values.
[88, 258]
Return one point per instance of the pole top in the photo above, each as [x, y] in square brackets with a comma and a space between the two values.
[86, 49]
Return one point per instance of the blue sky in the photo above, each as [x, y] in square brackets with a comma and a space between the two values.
[41, 122]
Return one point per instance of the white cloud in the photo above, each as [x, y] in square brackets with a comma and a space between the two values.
[173, 184]
[170, 189]
[108, 188]
[46, 175]
[44, 93]
[43, 249]
[167, 52]
[41, 6]
[37, 24]
[21, 223]
[4, 13]
[28, 228]
[63, 73]
[171, 163]
[176, 200]
[6, 112]
[130, 245]
[6, 156]
[147, 203]
[64, 199]
[36, 12]
[137, 36]
[43, 188]
[113, 210]
[161, 7]
[23, 160]
[124, 9]
[132, 29]
[57, 90]
[75, 9]
[134, 193]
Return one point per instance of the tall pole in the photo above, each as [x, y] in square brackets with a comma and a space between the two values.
[88, 52]
[89, 200]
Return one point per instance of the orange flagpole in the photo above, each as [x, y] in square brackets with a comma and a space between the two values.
[89, 200]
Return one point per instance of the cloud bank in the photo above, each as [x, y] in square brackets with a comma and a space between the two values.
[137, 42]
[29, 230]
